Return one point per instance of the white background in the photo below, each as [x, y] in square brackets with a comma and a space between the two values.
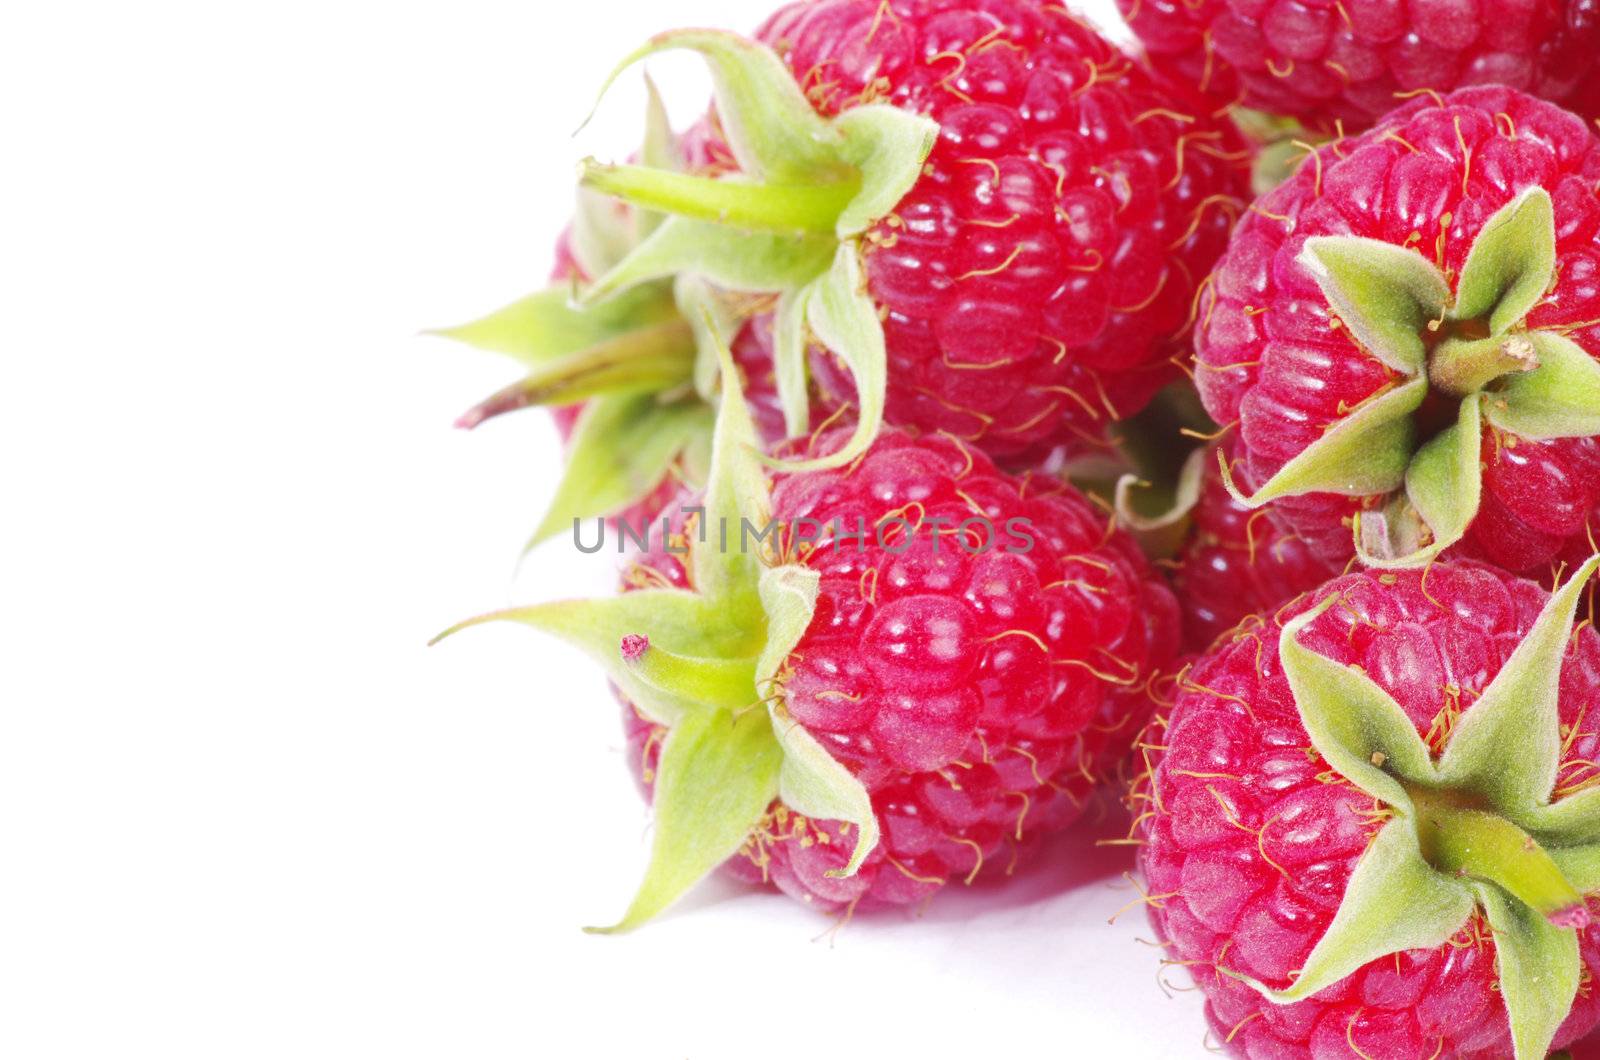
[243, 811]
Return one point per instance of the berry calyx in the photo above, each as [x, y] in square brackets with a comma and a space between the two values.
[1375, 823]
[1386, 365]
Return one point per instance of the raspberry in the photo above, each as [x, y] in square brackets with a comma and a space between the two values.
[1238, 563]
[1036, 259]
[1351, 63]
[1250, 837]
[1286, 356]
[979, 698]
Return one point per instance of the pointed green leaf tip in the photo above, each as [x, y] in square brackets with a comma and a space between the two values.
[1474, 830]
[703, 664]
[1472, 346]
[788, 223]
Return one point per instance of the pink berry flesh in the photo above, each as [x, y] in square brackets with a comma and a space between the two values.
[1353, 62]
[978, 694]
[1249, 839]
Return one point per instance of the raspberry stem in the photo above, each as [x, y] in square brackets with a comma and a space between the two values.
[1464, 366]
[780, 208]
[1460, 840]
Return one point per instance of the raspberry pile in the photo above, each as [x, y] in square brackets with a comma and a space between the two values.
[972, 440]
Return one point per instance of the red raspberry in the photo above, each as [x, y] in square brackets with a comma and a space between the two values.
[1351, 62]
[1250, 838]
[1027, 280]
[1277, 360]
[1237, 563]
[979, 698]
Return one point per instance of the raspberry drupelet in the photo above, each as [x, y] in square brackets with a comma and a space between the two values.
[1352, 62]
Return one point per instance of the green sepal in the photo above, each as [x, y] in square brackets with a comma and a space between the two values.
[681, 621]
[711, 318]
[1161, 534]
[1580, 865]
[620, 450]
[736, 492]
[1572, 822]
[1558, 399]
[887, 146]
[1511, 262]
[1443, 488]
[812, 781]
[1354, 725]
[844, 319]
[717, 775]
[1394, 901]
[771, 128]
[1508, 746]
[545, 326]
[789, 339]
[731, 200]
[1386, 295]
[652, 359]
[1539, 970]
[733, 260]
[1365, 452]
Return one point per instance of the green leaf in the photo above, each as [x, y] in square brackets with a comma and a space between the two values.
[1366, 452]
[1574, 821]
[1354, 725]
[1539, 970]
[546, 325]
[1443, 488]
[1393, 902]
[1386, 295]
[731, 259]
[621, 449]
[887, 145]
[732, 199]
[1581, 866]
[1511, 263]
[789, 339]
[722, 568]
[771, 127]
[717, 775]
[1507, 748]
[844, 319]
[681, 621]
[1558, 399]
[660, 149]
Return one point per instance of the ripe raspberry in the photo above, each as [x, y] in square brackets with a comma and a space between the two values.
[1033, 255]
[960, 678]
[1351, 63]
[1360, 358]
[1238, 563]
[1252, 838]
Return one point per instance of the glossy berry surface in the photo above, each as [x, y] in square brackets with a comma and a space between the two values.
[1237, 563]
[1273, 362]
[1352, 62]
[1249, 838]
[1072, 203]
[978, 695]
